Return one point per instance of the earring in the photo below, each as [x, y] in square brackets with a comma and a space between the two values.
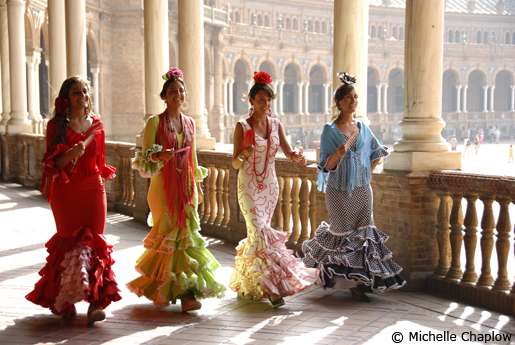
[269, 113]
[86, 112]
[68, 113]
[251, 111]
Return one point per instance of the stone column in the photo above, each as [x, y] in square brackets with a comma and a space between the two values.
[231, 95]
[274, 103]
[465, 87]
[422, 146]
[326, 98]
[226, 82]
[57, 47]
[191, 62]
[350, 52]
[512, 96]
[217, 113]
[33, 59]
[4, 55]
[18, 123]
[281, 98]
[76, 56]
[306, 98]
[385, 99]
[485, 99]
[155, 17]
[379, 90]
[96, 96]
[458, 97]
[299, 87]
[491, 91]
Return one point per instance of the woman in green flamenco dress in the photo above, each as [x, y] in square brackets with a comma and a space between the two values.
[176, 264]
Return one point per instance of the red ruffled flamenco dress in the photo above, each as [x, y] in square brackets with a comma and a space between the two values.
[79, 256]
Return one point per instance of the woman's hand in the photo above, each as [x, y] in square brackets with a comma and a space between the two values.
[302, 160]
[341, 151]
[77, 150]
[248, 151]
[167, 154]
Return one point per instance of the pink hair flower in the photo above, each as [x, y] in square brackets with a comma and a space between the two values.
[173, 72]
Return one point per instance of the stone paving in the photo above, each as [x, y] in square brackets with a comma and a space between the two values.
[315, 316]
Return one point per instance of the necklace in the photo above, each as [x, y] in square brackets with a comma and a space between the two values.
[260, 176]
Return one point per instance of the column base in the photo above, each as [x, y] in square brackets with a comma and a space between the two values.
[423, 161]
[206, 143]
[139, 141]
[19, 128]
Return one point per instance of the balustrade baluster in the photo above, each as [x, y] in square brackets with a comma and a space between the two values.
[287, 205]
[295, 206]
[443, 234]
[487, 241]
[227, 209]
[212, 195]
[207, 195]
[503, 244]
[130, 182]
[278, 223]
[471, 223]
[219, 197]
[313, 208]
[304, 210]
[456, 237]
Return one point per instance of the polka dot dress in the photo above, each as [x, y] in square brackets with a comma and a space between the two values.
[351, 250]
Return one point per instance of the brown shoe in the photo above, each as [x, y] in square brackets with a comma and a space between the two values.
[189, 302]
[95, 314]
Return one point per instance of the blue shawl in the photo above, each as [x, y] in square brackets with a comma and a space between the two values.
[354, 170]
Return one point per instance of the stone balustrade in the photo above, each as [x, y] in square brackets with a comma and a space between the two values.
[463, 280]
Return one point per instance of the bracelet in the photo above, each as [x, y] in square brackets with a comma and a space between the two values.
[241, 157]
[291, 156]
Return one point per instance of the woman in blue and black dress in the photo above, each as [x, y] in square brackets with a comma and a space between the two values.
[350, 252]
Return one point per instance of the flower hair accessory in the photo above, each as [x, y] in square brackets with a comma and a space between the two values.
[173, 72]
[262, 78]
[346, 78]
[60, 105]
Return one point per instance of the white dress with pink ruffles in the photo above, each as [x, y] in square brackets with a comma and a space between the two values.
[263, 264]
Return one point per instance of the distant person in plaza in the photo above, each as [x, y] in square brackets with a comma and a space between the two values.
[79, 262]
[176, 264]
[263, 267]
[466, 147]
[491, 135]
[350, 252]
[481, 135]
[298, 147]
[510, 154]
[454, 143]
[497, 135]
[477, 146]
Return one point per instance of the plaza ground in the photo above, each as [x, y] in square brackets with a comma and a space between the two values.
[315, 316]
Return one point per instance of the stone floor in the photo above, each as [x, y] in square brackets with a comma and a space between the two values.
[315, 316]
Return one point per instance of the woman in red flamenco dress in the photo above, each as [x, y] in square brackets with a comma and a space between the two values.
[79, 257]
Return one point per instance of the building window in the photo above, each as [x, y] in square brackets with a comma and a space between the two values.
[507, 39]
[295, 24]
[380, 33]
[260, 20]
[485, 38]
[394, 33]
[457, 36]
[324, 27]
[310, 26]
[317, 26]
[401, 34]
[373, 32]
[267, 21]
[236, 17]
[450, 37]
[288, 24]
[478, 38]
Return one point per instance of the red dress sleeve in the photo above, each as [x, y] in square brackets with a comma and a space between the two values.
[107, 172]
[50, 172]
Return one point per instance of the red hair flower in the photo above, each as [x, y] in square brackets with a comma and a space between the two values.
[173, 72]
[262, 78]
[60, 105]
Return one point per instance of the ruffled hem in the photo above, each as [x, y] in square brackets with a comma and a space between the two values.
[63, 274]
[360, 255]
[183, 251]
[108, 173]
[264, 266]
[144, 163]
[200, 173]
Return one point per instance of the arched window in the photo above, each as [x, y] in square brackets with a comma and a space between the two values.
[450, 37]
[295, 24]
[324, 27]
[401, 34]
[380, 33]
[310, 25]
[260, 20]
[478, 39]
[288, 24]
[236, 17]
[394, 33]
[513, 39]
[492, 37]
[457, 36]
[267, 21]
[317, 26]
[507, 39]
[373, 32]
[485, 38]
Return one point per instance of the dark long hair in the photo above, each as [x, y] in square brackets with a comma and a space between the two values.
[168, 82]
[61, 119]
[342, 91]
[256, 88]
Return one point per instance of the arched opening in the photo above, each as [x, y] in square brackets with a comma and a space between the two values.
[372, 82]
[44, 101]
[317, 26]
[324, 27]
[266, 66]
[513, 39]
[267, 21]
[373, 32]
[395, 91]
[478, 38]
[240, 88]
[502, 91]
[401, 34]
[237, 17]
[291, 90]
[295, 24]
[485, 38]
[457, 36]
[507, 38]
[288, 24]
[310, 25]
[449, 92]
[316, 90]
[380, 33]
[450, 37]
[394, 33]
[260, 20]
[475, 93]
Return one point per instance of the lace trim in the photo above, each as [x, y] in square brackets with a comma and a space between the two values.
[144, 163]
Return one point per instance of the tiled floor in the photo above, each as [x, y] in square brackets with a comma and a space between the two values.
[315, 316]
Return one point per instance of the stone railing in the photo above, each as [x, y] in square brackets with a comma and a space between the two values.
[296, 212]
[463, 280]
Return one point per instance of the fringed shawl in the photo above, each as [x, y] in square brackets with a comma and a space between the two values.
[354, 168]
[179, 172]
